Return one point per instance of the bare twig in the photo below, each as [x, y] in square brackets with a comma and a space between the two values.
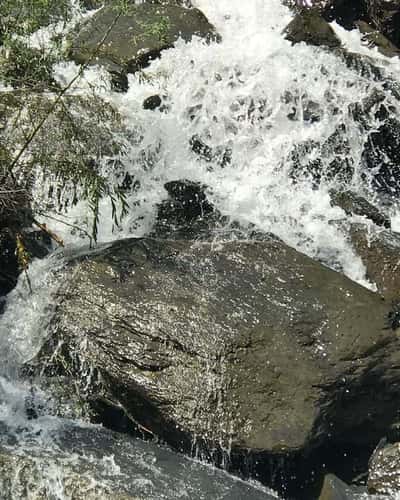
[60, 95]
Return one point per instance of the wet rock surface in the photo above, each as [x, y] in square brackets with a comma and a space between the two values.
[311, 28]
[335, 489]
[136, 35]
[353, 204]
[186, 213]
[380, 252]
[373, 38]
[92, 463]
[194, 341]
[382, 15]
[384, 470]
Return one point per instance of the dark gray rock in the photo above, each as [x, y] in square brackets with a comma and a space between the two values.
[385, 14]
[219, 155]
[382, 15]
[380, 253]
[249, 344]
[381, 155]
[136, 35]
[186, 213]
[376, 39]
[335, 489]
[343, 12]
[153, 102]
[310, 27]
[353, 204]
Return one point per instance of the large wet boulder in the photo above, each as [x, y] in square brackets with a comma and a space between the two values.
[136, 35]
[246, 345]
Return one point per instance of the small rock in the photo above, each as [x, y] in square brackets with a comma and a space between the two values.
[380, 252]
[220, 155]
[311, 28]
[186, 213]
[153, 102]
[376, 39]
[335, 489]
[384, 471]
[353, 204]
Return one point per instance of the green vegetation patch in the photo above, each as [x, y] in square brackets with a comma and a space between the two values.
[22, 17]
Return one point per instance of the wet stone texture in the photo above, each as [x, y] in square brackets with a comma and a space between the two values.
[384, 476]
[136, 35]
[87, 463]
[244, 346]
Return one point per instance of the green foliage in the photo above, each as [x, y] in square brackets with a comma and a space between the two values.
[21, 17]
[64, 142]
[158, 29]
[122, 6]
[68, 153]
[24, 66]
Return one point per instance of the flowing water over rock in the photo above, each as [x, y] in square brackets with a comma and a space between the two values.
[270, 129]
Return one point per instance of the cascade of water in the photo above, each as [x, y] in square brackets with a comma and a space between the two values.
[246, 97]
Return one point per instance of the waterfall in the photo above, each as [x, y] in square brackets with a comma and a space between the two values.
[248, 98]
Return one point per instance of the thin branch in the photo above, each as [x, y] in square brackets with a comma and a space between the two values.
[59, 97]
[74, 226]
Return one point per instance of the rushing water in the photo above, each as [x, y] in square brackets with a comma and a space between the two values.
[235, 96]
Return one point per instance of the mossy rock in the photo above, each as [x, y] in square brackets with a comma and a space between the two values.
[137, 36]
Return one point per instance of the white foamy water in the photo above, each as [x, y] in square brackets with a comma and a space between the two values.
[233, 97]
[236, 97]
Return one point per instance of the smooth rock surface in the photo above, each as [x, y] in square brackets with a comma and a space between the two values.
[136, 35]
[249, 344]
